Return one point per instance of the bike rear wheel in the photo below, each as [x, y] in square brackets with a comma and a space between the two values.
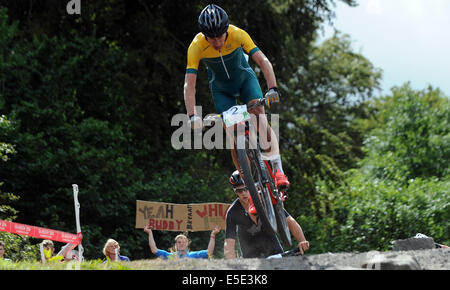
[253, 174]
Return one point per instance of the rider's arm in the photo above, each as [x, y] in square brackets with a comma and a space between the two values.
[266, 66]
[189, 93]
[190, 80]
[228, 249]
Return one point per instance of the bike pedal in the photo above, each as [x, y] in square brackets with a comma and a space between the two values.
[283, 195]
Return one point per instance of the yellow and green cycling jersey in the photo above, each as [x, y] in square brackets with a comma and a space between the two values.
[229, 73]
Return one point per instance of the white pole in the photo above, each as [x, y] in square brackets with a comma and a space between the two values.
[77, 218]
[41, 248]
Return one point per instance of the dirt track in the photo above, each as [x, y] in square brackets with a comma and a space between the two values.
[435, 259]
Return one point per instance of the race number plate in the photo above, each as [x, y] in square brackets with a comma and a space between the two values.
[235, 114]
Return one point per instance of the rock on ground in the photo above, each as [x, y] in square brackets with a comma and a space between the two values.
[430, 259]
[413, 244]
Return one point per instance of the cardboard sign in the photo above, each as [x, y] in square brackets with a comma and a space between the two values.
[180, 217]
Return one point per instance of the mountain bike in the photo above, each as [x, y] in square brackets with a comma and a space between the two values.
[256, 172]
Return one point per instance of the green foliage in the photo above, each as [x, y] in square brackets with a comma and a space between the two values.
[6, 199]
[85, 265]
[371, 213]
[395, 193]
[322, 136]
[5, 148]
[16, 247]
[62, 97]
[414, 138]
[19, 248]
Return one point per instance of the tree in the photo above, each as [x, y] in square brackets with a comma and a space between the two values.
[323, 137]
[18, 247]
[413, 140]
[401, 187]
[6, 211]
[69, 127]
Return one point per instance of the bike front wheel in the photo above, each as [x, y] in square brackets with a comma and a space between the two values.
[252, 170]
[283, 228]
[280, 213]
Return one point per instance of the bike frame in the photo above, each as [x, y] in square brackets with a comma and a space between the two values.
[268, 200]
[241, 128]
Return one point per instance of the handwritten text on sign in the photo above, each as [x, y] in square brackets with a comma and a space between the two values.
[180, 217]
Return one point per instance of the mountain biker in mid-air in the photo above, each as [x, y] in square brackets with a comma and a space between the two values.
[221, 46]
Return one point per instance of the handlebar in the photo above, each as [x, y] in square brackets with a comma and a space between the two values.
[209, 119]
[253, 105]
[260, 102]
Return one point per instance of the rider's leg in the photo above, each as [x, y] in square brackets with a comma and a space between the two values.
[223, 101]
[270, 144]
[250, 93]
[267, 137]
[230, 136]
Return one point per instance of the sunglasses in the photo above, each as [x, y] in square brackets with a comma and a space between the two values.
[240, 190]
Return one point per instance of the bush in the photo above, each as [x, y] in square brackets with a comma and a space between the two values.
[380, 211]
[402, 186]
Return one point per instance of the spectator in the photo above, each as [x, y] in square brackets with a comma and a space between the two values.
[65, 254]
[111, 251]
[253, 241]
[2, 251]
[181, 246]
[49, 249]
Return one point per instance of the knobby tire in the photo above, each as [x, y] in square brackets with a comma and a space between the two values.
[252, 174]
[282, 226]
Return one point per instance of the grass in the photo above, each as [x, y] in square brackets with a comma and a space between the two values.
[85, 265]
[151, 264]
